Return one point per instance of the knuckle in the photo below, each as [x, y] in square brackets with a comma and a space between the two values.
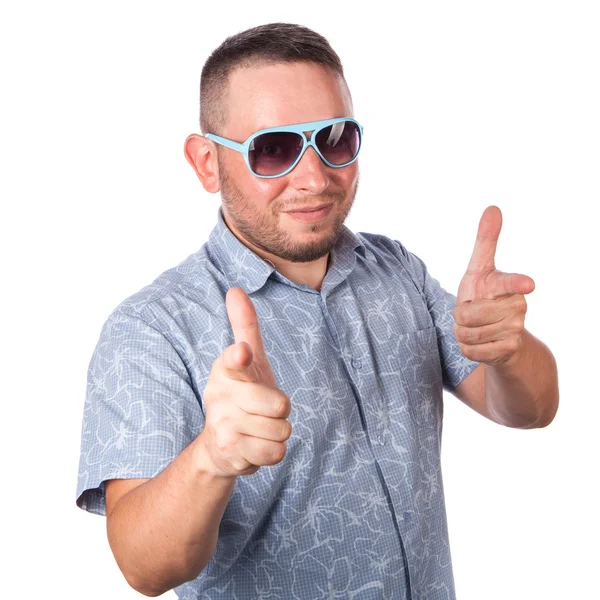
[515, 343]
[240, 464]
[277, 452]
[282, 430]
[511, 345]
[457, 314]
[250, 469]
[271, 453]
[217, 415]
[265, 454]
[225, 440]
[287, 430]
[521, 304]
[282, 406]
[457, 331]
[464, 348]
[517, 324]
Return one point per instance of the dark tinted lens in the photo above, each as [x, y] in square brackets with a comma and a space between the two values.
[339, 143]
[273, 153]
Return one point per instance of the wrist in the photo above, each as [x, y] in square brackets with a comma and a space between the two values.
[205, 465]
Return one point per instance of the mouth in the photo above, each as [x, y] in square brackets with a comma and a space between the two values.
[309, 208]
[311, 214]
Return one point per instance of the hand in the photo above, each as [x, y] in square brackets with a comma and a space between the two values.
[490, 305]
[246, 414]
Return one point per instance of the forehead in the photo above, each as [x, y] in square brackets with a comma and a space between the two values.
[283, 94]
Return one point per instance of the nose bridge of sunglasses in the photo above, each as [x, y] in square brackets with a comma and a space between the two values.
[310, 145]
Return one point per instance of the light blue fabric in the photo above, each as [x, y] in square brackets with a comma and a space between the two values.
[359, 494]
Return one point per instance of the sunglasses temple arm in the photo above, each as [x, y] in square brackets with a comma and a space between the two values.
[225, 142]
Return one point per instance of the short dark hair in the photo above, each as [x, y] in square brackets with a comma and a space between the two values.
[273, 43]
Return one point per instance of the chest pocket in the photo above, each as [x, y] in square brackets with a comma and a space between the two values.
[421, 372]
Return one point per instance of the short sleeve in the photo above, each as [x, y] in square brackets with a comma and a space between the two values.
[441, 304]
[140, 409]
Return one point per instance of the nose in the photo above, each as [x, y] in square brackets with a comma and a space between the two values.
[310, 174]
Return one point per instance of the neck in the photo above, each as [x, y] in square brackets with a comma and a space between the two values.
[308, 273]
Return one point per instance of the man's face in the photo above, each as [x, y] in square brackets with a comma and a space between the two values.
[270, 96]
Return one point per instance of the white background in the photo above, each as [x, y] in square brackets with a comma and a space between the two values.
[464, 104]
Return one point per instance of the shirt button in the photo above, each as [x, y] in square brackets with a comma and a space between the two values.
[381, 440]
[407, 516]
[356, 363]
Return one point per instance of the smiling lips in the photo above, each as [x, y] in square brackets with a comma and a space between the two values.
[311, 214]
[309, 208]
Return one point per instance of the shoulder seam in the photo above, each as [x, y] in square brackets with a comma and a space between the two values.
[175, 346]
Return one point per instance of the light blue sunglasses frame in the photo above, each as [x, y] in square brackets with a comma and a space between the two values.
[312, 127]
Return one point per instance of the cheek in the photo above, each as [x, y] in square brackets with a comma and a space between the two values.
[267, 189]
[254, 190]
[348, 177]
[264, 194]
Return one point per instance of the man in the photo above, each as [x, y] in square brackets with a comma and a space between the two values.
[264, 420]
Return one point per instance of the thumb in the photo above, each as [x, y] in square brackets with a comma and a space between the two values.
[237, 362]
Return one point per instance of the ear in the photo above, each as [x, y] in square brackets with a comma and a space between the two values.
[202, 156]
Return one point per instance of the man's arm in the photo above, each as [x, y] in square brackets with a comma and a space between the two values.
[517, 384]
[520, 393]
[164, 531]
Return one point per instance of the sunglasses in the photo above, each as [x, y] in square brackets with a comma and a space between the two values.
[274, 152]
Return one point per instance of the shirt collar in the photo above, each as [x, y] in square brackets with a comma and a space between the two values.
[246, 269]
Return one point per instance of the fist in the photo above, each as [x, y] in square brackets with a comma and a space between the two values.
[246, 414]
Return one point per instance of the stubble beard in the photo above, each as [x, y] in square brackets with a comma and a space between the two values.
[264, 232]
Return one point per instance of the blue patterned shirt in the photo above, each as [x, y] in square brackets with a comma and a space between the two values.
[356, 508]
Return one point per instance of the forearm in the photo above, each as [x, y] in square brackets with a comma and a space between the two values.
[523, 392]
[164, 532]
